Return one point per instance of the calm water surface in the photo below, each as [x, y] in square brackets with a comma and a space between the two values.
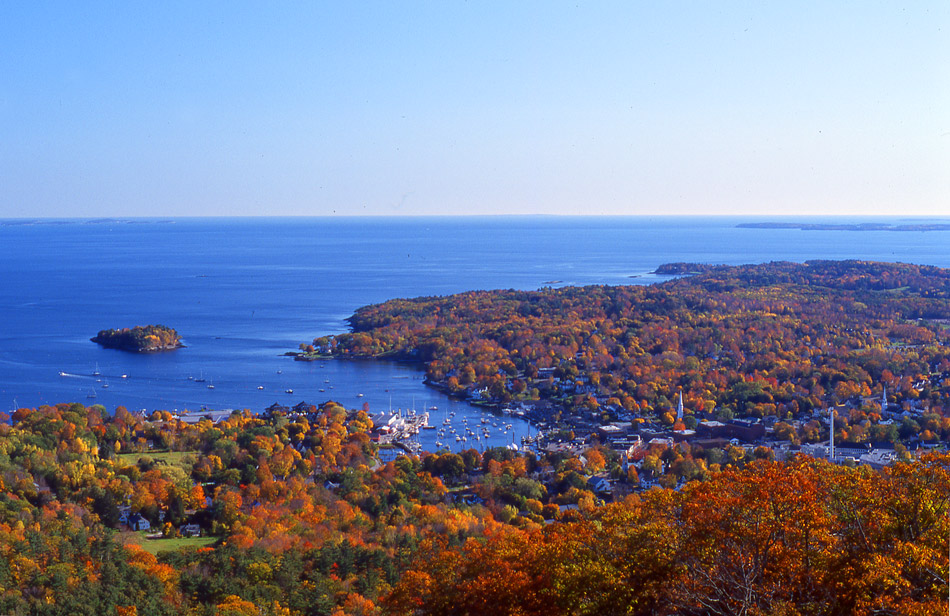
[244, 291]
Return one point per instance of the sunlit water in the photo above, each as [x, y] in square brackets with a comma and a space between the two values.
[243, 292]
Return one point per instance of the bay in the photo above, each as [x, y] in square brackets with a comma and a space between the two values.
[244, 291]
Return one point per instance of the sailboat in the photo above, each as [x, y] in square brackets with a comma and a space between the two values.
[201, 377]
[92, 394]
[210, 385]
[96, 371]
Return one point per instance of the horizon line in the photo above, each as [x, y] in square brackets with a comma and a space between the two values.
[462, 216]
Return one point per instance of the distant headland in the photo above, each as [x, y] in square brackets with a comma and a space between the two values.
[140, 339]
[866, 226]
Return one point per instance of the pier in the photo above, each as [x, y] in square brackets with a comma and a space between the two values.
[398, 428]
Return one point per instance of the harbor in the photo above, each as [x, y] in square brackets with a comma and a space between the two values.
[455, 431]
[379, 388]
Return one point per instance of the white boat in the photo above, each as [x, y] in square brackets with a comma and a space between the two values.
[289, 391]
[92, 394]
[260, 387]
[96, 371]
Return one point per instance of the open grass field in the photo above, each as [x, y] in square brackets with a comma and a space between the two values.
[157, 546]
[181, 459]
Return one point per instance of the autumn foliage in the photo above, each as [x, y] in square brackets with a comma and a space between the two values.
[139, 338]
[770, 339]
[304, 519]
[298, 512]
[804, 537]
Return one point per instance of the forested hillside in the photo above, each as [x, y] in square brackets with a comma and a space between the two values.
[773, 339]
[294, 514]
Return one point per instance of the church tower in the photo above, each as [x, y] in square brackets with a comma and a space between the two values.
[831, 434]
[884, 401]
[679, 409]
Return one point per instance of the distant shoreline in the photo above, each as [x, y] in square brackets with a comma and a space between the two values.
[867, 226]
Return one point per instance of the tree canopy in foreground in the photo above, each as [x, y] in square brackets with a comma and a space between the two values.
[305, 520]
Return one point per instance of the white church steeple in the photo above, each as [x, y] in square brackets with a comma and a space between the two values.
[831, 434]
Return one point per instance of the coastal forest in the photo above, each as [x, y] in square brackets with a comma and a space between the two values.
[307, 510]
[777, 339]
[295, 513]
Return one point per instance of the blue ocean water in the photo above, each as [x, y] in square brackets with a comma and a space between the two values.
[244, 291]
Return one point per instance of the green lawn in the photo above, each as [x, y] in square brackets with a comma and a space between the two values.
[171, 458]
[157, 546]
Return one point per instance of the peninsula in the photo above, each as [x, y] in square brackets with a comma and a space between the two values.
[783, 341]
[140, 339]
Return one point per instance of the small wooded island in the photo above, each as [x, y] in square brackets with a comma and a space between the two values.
[140, 339]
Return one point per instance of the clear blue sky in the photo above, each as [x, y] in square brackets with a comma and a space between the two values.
[448, 107]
